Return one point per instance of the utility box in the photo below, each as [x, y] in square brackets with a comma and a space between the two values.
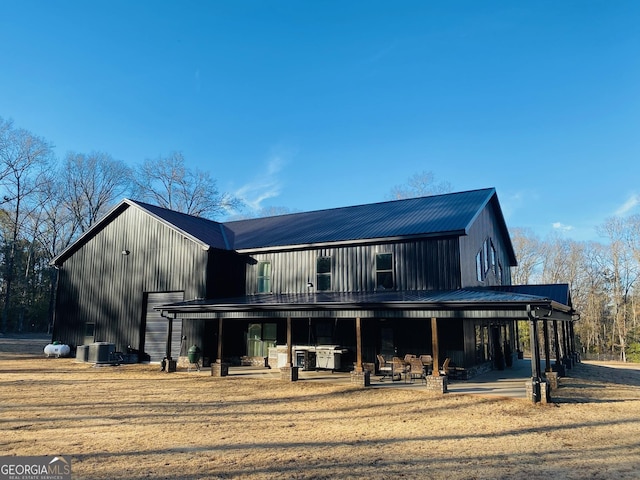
[101, 352]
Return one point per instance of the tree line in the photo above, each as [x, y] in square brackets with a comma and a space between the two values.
[47, 203]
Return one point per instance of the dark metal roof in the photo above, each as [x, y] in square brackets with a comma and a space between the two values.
[209, 232]
[463, 298]
[558, 292]
[449, 214]
[438, 215]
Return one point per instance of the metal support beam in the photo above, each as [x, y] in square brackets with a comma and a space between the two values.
[169, 335]
[289, 346]
[547, 349]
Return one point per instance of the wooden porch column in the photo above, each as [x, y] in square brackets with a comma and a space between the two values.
[360, 376]
[358, 345]
[219, 359]
[218, 368]
[435, 347]
[289, 372]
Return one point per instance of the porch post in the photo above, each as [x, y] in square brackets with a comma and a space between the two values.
[218, 368]
[436, 382]
[574, 350]
[360, 376]
[169, 365]
[219, 359]
[435, 347]
[289, 350]
[567, 347]
[289, 373]
[558, 366]
[547, 350]
[358, 345]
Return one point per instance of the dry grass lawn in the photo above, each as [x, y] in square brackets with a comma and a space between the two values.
[134, 422]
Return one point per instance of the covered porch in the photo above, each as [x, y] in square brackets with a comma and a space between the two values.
[480, 325]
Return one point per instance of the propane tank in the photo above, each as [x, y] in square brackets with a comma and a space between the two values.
[57, 350]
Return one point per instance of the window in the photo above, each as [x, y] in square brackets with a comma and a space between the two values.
[479, 275]
[264, 277]
[384, 270]
[260, 337]
[500, 273]
[323, 273]
[494, 265]
[485, 255]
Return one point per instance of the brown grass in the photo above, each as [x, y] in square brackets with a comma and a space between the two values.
[134, 422]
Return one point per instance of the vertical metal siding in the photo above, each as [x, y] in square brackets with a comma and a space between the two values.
[99, 284]
[485, 226]
[418, 265]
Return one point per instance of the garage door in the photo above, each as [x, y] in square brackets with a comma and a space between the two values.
[155, 335]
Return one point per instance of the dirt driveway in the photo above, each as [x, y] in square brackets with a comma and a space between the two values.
[134, 422]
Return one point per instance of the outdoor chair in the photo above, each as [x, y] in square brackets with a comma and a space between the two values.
[427, 361]
[416, 370]
[399, 367]
[408, 357]
[445, 367]
[385, 369]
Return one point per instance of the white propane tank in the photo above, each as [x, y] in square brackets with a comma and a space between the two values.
[57, 350]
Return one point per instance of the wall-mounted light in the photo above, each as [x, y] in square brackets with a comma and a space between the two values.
[125, 252]
[309, 285]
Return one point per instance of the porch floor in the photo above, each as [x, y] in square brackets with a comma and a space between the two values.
[509, 382]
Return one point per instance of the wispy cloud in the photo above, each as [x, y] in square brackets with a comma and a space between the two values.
[627, 206]
[561, 226]
[267, 184]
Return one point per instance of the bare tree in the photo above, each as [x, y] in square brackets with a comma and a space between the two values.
[92, 183]
[621, 274]
[24, 158]
[420, 185]
[168, 183]
[528, 249]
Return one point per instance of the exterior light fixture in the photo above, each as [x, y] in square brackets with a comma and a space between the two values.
[125, 252]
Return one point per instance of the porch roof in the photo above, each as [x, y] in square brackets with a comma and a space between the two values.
[462, 303]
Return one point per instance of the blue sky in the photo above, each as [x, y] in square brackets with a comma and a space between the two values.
[320, 104]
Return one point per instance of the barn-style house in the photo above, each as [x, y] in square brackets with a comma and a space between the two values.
[336, 287]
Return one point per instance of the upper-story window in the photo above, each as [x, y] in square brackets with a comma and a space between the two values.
[323, 273]
[384, 271]
[492, 254]
[264, 277]
[479, 275]
[485, 255]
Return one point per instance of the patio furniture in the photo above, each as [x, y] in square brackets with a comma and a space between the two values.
[427, 362]
[385, 369]
[445, 366]
[416, 370]
[399, 367]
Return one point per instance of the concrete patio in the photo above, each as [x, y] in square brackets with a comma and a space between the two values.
[509, 382]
